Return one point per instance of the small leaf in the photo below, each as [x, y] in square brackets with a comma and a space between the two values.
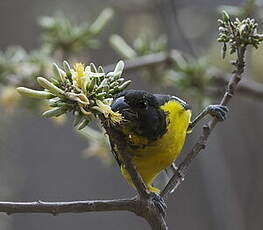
[57, 73]
[100, 69]
[34, 93]
[124, 85]
[50, 86]
[118, 69]
[93, 68]
[83, 124]
[55, 112]
[101, 21]
[78, 119]
[226, 17]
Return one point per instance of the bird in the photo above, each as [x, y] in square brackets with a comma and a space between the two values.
[153, 131]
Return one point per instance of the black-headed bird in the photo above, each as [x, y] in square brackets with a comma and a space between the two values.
[153, 131]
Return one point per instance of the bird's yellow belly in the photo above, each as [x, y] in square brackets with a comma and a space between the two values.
[160, 154]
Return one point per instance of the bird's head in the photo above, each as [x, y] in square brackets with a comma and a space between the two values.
[142, 110]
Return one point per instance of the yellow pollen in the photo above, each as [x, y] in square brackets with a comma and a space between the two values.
[79, 68]
[115, 117]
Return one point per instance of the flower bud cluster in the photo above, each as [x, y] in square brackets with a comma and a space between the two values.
[238, 33]
[87, 91]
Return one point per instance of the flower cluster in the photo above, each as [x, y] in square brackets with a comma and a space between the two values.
[87, 91]
[238, 33]
[61, 34]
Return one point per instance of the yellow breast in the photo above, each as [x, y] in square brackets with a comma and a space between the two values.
[158, 155]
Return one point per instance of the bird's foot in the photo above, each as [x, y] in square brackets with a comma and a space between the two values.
[159, 203]
[218, 111]
[175, 169]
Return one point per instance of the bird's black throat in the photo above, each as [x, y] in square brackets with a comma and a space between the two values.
[142, 113]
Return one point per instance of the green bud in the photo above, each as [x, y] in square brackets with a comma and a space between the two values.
[58, 104]
[114, 91]
[50, 86]
[55, 112]
[220, 22]
[121, 47]
[34, 93]
[226, 17]
[78, 119]
[93, 68]
[114, 84]
[124, 85]
[101, 21]
[57, 73]
[101, 95]
[103, 83]
[119, 69]
[110, 74]
[100, 69]
[106, 88]
[83, 124]
[222, 29]
[91, 85]
[66, 66]
[67, 70]
[54, 81]
[120, 80]
[242, 28]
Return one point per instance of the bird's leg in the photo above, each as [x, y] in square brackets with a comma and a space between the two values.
[159, 203]
[175, 169]
[218, 111]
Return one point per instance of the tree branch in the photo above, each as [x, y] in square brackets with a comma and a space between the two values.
[246, 87]
[56, 208]
[144, 61]
[120, 141]
[147, 207]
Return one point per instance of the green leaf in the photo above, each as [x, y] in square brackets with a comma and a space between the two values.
[50, 86]
[55, 112]
[34, 93]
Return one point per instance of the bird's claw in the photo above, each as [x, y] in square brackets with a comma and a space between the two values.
[218, 111]
[159, 203]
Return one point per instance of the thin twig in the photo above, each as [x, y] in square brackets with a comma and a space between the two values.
[246, 87]
[142, 61]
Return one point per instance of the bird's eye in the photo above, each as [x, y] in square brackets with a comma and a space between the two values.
[142, 104]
